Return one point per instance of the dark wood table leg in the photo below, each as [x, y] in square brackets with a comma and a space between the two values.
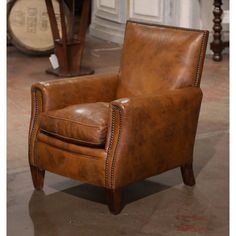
[69, 46]
[217, 46]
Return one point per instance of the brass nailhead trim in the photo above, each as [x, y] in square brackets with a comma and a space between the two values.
[164, 26]
[118, 141]
[36, 107]
[109, 155]
[115, 108]
[201, 55]
[34, 118]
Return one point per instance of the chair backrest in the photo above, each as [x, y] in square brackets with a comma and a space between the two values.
[157, 57]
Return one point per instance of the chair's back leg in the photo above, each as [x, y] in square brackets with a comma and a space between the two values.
[187, 174]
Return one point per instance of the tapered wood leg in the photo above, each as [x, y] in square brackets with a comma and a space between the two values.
[187, 174]
[37, 177]
[114, 200]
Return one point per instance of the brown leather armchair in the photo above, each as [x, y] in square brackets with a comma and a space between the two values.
[115, 129]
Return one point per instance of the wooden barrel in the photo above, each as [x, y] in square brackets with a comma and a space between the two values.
[28, 26]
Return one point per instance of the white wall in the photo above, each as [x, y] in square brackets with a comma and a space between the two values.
[108, 19]
[109, 16]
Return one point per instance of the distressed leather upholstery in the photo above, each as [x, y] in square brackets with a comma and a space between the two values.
[159, 58]
[84, 124]
[130, 125]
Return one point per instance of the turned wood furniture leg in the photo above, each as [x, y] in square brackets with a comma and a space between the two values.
[37, 177]
[217, 46]
[114, 200]
[187, 174]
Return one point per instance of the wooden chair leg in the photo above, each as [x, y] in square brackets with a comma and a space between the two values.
[114, 200]
[187, 174]
[37, 177]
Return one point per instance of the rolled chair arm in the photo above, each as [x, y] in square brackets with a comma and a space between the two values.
[57, 94]
[60, 93]
[151, 134]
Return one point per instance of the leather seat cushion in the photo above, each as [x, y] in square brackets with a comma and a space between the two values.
[84, 124]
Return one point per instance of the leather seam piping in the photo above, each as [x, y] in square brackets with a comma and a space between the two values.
[73, 121]
[73, 139]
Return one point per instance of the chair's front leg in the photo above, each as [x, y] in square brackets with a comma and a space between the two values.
[37, 177]
[187, 174]
[114, 198]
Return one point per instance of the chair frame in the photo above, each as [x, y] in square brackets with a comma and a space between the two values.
[51, 90]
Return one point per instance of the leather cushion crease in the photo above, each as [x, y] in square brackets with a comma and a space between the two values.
[84, 124]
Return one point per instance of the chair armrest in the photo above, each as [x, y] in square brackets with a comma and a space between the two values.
[57, 94]
[151, 134]
[60, 93]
